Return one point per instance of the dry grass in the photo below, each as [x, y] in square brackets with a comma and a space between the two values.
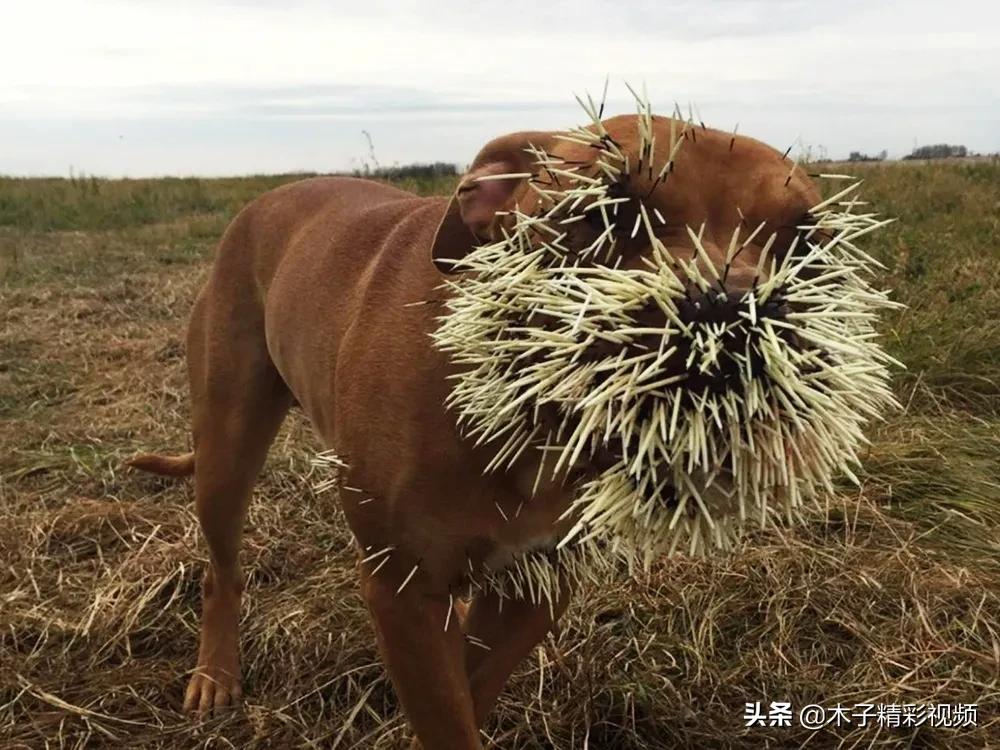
[890, 595]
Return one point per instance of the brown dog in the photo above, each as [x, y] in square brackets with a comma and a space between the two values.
[309, 302]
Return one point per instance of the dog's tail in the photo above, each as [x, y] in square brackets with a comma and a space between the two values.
[168, 466]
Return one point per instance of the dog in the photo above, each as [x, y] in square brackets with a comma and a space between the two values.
[314, 300]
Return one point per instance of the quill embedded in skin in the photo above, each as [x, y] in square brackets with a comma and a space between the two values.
[709, 422]
[717, 422]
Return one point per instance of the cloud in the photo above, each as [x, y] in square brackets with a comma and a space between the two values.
[438, 80]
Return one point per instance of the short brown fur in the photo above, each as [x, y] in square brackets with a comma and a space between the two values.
[309, 302]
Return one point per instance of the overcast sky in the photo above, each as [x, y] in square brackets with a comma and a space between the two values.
[143, 87]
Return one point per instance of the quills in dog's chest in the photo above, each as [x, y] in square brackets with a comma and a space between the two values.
[537, 571]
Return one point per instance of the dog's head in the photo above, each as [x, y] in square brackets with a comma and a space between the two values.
[674, 308]
[686, 177]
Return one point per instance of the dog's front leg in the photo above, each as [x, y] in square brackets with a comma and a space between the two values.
[500, 638]
[426, 663]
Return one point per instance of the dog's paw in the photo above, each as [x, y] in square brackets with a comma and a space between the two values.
[212, 690]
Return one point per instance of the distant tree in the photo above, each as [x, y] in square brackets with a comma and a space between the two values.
[370, 167]
[858, 156]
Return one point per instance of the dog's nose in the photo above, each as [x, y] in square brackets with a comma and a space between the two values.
[713, 306]
[716, 306]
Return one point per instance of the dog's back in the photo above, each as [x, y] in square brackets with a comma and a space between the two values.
[310, 221]
[338, 295]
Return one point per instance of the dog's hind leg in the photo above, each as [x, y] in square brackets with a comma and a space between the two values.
[238, 404]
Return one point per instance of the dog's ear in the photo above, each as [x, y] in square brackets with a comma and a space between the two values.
[470, 217]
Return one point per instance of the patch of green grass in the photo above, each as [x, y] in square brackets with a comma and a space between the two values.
[945, 460]
[93, 259]
[88, 204]
[937, 463]
[90, 230]
[942, 261]
[28, 385]
[92, 203]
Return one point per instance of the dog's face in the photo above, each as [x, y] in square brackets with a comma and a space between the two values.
[673, 309]
[717, 184]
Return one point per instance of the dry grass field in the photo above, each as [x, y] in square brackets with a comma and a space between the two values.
[890, 595]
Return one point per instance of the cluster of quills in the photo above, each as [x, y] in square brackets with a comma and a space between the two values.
[708, 424]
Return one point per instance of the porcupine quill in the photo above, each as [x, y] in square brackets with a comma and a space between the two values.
[790, 379]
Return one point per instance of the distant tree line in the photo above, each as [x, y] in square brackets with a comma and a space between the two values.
[938, 151]
[408, 171]
[935, 151]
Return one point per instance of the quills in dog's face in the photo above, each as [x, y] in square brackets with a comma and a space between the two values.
[723, 370]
